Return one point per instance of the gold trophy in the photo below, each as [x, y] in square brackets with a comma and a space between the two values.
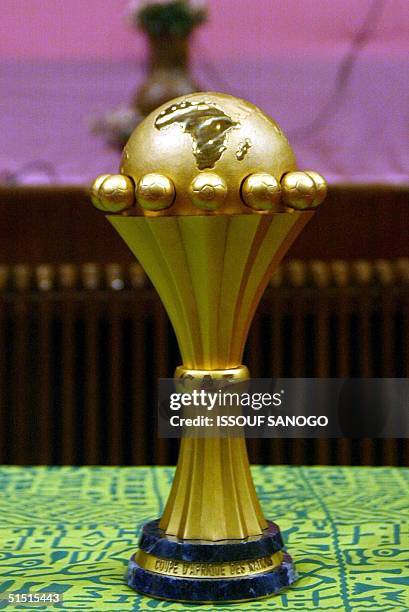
[209, 199]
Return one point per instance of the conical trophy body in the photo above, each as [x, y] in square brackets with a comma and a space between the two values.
[209, 201]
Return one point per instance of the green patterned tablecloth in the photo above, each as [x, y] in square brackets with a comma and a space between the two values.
[72, 530]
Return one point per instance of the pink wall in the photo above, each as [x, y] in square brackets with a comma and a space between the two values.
[78, 29]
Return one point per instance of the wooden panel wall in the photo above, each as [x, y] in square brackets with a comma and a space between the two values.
[60, 225]
[83, 346]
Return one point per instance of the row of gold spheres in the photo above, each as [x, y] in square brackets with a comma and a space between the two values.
[115, 193]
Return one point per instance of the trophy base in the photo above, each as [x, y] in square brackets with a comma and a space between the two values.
[168, 568]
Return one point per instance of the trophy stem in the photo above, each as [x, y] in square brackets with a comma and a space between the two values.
[210, 272]
[213, 496]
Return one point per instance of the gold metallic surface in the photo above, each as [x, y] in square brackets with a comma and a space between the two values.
[114, 193]
[95, 189]
[206, 123]
[208, 191]
[213, 496]
[206, 132]
[210, 272]
[155, 191]
[320, 186]
[210, 256]
[262, 191]
[303, 190]
[227, 569]
[228, 374]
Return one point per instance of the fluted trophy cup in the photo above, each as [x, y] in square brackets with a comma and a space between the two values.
[209, 199]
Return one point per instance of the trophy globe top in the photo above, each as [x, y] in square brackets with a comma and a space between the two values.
[207, 154]
[207, 144]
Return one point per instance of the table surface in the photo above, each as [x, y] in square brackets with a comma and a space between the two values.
[71, 530]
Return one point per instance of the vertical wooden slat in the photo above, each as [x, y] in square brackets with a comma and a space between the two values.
[19, 380]
[67, 277]
[17, 377]
[254, 363]
[385, 275]
[138, 310]
[254, 348]
[277, 450]
[276, 329]
[91, 408]
[137, 276]
[297, 274]
[45, 439]
[4, 434]
[363, 272]
[341, 279]
[320, 278]
[115, 413]
[115, 281]
[90, 278]
[138, 408]
[402, 273]
[161, 351]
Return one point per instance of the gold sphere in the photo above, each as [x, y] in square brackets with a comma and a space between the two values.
[116, 193]
[206, 133]
[94, 190]
[208, 191]
[320, 185]
[261, 191]
[230, 141]
[155, 192]
[299, 190]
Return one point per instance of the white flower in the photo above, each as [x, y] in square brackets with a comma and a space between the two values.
[198, 5]
[116, 126]
[135, 6]
[120, 119]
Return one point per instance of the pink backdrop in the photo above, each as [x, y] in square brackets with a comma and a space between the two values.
[238, 29]
[65, 62]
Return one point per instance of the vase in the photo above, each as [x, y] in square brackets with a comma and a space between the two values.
[168, 72]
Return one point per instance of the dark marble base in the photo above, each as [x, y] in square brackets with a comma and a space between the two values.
[205, 590]
[154, 542]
